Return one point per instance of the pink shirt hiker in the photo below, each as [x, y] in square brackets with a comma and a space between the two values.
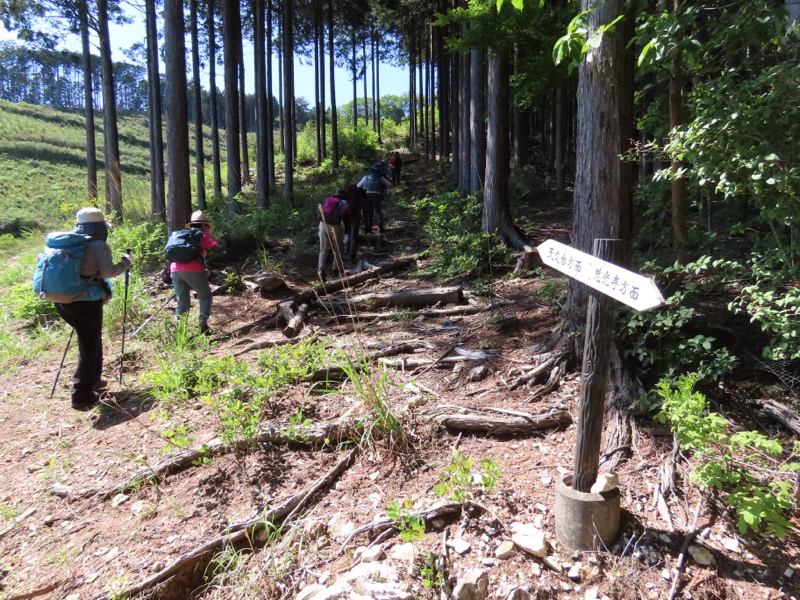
[207, 243]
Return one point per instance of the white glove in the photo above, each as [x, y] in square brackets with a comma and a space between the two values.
[129, 258]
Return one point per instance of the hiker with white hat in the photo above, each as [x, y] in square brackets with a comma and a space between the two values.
[192, 274]
[85, 314]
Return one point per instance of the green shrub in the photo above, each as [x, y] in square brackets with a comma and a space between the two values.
[734, 464]
[452, 229]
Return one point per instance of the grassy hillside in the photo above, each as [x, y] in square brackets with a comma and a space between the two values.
[43, 165]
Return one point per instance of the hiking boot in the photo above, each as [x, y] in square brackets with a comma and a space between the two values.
[205, 329]
[85, 401]
[321, 276]
[100, 385]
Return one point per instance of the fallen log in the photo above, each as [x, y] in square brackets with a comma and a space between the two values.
[297, 321]
[337, 285]
[780, 412]
[424, 297]
[336, 373]
[249, 534]
[412, 364]
[498, 425]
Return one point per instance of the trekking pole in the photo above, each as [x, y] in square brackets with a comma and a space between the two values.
[124, 319]
[148, 319]
[61, 366]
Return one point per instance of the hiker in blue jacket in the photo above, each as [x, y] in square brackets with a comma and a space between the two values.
[86, 316]
[376, 184]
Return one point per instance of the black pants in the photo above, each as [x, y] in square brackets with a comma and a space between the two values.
[87, 320]
[351, 234]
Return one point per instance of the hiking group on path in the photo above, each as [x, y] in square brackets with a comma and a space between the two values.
[75, 269]
[339, 216]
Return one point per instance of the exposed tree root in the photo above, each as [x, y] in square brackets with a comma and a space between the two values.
[552, 383]
[249, 534]
[678, 570]
[666, 485]
[331, 433]
[780, 412]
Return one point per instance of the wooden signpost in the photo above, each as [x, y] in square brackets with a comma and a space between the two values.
[586, 521]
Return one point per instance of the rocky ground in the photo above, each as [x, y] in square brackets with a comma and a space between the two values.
[77, 523]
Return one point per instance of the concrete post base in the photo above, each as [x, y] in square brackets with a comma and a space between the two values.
[586, 521]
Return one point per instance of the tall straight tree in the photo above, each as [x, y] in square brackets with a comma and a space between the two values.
[88, 105]
[602, 202]
[157, 195]
[288, 99]
[111, 135]
[263, 124]
[199, 158]
[179, 190]
[212, 90]
[334, 115]
[270, 105]
[477, 117]
[496, 211]
[246, 179]
[230, 51]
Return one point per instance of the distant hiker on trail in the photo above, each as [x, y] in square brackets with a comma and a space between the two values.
[357, 199]
[395, 165]
[186, 253]
[331, 215]
[85, 312]
[376, 185]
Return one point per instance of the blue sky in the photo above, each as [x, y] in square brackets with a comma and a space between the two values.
[393, 80]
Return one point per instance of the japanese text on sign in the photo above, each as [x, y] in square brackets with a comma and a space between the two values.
[625, 286]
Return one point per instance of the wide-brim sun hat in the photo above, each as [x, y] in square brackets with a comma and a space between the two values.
[199, 218]
[90, 214]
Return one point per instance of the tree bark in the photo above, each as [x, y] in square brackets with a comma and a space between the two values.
[465, 170]
[199, 158]
[212, 90]
[602, 203]
[246, 179]
[88, 103]
[262, 122]
[113, 185]
[230, 49]
[477, 118]
[288, 100]
[680, 235]
[157, 192]
[179, 190]
[334, 112]
[270, 104]
[496, 211]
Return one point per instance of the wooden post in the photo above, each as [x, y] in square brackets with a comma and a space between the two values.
[596, 353]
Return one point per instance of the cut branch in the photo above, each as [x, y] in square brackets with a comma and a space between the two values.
[249, 533]
[497, 425]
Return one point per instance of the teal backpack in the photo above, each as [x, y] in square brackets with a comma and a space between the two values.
[57, 277]
[183, 246]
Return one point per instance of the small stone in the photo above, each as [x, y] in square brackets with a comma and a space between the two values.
[666, 575]
[157, 566]
[139, 507]
[487, 561]
[519, 594]
[374, 476]
[119, 499]
[552, 562]
[61, 490]
[706, 533]
[536, 569]
[732, 545]
[574, 572]
[314, 530]
[540, 507]
[701, 556]
[665, 538]
[49, 520]
[788, 573]
[591, 594]
[372, 553]
[605, 482]
[33, 468]
[649, 585]
[546, 480]
[472, 586]
[309, 591]
[404, 552]
[459, 545]
[530, 540]
[505, 550]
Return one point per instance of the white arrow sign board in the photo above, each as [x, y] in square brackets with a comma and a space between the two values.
[627, 287]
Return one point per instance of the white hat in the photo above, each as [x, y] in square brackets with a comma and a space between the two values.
[90, 214]
[199, 218]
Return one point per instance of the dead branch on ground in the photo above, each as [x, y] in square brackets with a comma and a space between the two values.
[251, 533]
[518, 422]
